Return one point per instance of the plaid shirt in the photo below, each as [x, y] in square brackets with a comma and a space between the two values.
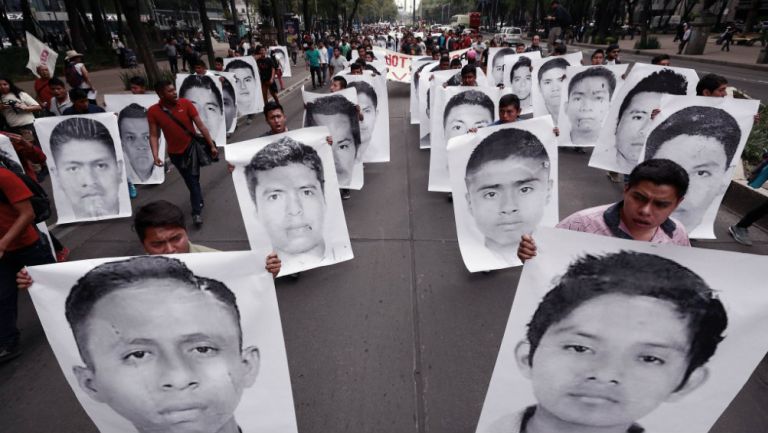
[606, 220]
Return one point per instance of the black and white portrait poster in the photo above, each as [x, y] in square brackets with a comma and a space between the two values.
[132, 124]
[187, 342]
[586, 98]
[504, 184]
[289, 197]
[280, 54]
[518, 75]
[548, 74]
[705, 136]
[626, 125]
[373, 99]
[338, 113]
[429, 78]
[626, 336]
[229, 95]
[457, 110]
[417, 64]
[206, 94]
[247, 84]
[87, 166]
[497, 60]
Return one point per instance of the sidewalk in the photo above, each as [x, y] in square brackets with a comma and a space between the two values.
[739, 56]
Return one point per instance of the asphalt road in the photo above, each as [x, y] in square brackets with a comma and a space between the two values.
[401, 339]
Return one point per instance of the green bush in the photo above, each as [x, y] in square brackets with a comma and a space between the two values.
[757, 143]
[651, 43]
[126, 76]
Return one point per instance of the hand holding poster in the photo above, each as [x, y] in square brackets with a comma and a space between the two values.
[289, 197]
[704, 135]
[626, 336]
[152, 343]
[40, 55]
[504, 184]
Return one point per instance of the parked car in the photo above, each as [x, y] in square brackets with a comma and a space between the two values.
[509, 35]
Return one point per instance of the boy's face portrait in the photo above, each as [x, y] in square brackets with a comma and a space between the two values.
[587, 105]
[521, 82]
[134, 134]
[507, 198]
[230, 109]
[167, 357]
[550, 84]
[344, 151]
[611, 361]
[368, 123]
[90, 176]
[632, 128]
[291, 204]
[462, 117]
[245, 84]
[208, 107]
[705, 161]
[497, 72]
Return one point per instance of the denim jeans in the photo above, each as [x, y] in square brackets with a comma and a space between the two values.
[324, 71]
[11, 263]
[193, 184]
[315, 70]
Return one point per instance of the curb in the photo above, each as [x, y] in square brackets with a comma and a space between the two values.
[755, 66]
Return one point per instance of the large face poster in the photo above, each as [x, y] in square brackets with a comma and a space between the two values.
[504, 184]
[457, 110]
[705, 136]
[132, 124]
[518, 75]
[431, 89]
[281, 55]
[288, 194]
[626, 125]
[548, 76]
[496, 63]
[229, 94]
[338, 112]
[190, 342]
[416, 66]
[624, 336]
[87, 166]
[373, 99]
[205, 93]
[247, 84]
[586, 99]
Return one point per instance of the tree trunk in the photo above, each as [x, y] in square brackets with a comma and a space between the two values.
[351, 16]
[645, 20]
[131, 10]
[235, 20]
[29, 19]
[206, 23]
[752, 16]
[669, 17]
[75, 27]
[307, 16]
[720, 14]
[278, 22]
[700, 29]
[99, 27]
[121, 28]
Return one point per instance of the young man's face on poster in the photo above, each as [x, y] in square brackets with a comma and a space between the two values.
[632, 128]
[134, 134]
[90, 176]
[587, 105]
[344, 150]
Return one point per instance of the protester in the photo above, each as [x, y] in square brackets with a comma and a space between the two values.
[81, 104]
[77, 74]
[312, 56]
[17, 107]
[338, 62]
[172, 54]
[612, 55]
[278, 67]
[60, 97]
[266, 74]
[598, 57]
[323, 62]
[43, 92]
[175, 117]
[661, 60]
[535, 45]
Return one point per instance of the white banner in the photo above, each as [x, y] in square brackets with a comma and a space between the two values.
[40, 54]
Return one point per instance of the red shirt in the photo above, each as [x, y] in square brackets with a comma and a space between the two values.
[177, 138]
[43, 91]
[15, 190]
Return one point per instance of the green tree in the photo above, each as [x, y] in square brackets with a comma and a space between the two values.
[132, 17]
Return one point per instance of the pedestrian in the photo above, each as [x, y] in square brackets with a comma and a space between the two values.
[77, 74]
[173, 55]
[20, 245]
[312, 56]
[323, 62]
[559, 20]
[598, 57]
[17, 107]
[59, 101]
[726, 39]
[81, 104]
[535, 45]
[684, 38]
[267, 72]
[338, 63]
[612, 55]
[43, 93]
[176, 118]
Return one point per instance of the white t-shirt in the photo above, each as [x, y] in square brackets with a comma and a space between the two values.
[323, 55]
[91, 93]
[18, 118]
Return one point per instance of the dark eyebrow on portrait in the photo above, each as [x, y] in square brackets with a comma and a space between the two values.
[198, 336]
[671, 346]
[268, 191]
[706, 165]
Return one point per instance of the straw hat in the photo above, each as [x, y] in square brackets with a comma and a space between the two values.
[71, 54]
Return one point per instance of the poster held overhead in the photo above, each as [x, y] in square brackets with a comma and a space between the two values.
[247, 83]
[280, 53]
[373, 99]
[548, 76]
[229, 94]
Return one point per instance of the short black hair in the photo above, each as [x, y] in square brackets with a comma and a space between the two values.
[111, 277]
[272, 106]
[594, 71]
[469, 97]
[710, 82]
[663, 81]
[161, 85]
[355, 65]
[202, 82]
[341, 80]
[506, 143]
[334, 104]
[468, 70]
[596, 52]
[56, 82]
[658, 59]
[612, 47]
[555, 63]
[510, 99]
[239, 64]
[131, 111]
[559, 49]
[660, 172]
[636, 274]
[159, 213]
[367, 90]
[697, 121]
[219, 60]
[76, 129]
[520, 44]
[521, 62]
[199, 62]
[77, 94]
[503, 52]
[281, 153]
[138, 80]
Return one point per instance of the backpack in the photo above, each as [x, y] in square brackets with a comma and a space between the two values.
[74, 79]
[39, 200]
